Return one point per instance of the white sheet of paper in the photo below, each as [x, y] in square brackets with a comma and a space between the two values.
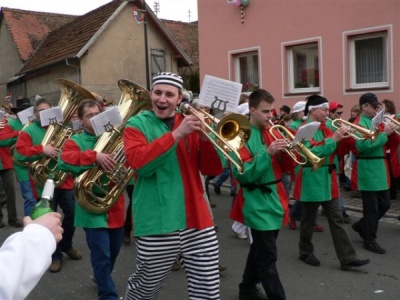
[220, 94]
[51, 116]
[306, 132]
[76, 125]
[378, 119]
[2, 114]
[106, 120]
[26, 115]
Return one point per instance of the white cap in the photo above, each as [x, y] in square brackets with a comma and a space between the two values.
[299, 106]
[243, 109]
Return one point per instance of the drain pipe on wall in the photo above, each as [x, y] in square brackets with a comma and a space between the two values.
[78, 71]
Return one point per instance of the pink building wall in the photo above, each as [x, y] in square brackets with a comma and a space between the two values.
[268, 24]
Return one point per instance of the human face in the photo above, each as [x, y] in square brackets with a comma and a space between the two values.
[337, 114]
[165, 99]
[88, 113]
[319, 114]
[369, 110]
[260, 117]
[39, 108]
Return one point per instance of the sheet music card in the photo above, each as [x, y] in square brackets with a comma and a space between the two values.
[378, 119]
[51, 116]
[306, 132]
[220, 94]
[26, 115]
[2, 114]
[106, 121]
[76, 125]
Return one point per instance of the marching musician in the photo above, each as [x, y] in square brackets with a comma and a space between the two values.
[320, 187]
[8, 137]
[104, 231]
[28, 149]
[171, 218]
[370, 173]
[262, 203]
[22, 169]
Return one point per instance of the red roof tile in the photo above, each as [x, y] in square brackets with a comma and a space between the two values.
[29, 28]
[186, 34]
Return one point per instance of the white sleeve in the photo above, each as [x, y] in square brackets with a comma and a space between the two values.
[24, 257]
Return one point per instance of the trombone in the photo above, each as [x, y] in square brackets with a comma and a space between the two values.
[299, 149]
[354, 130]
[232, 132]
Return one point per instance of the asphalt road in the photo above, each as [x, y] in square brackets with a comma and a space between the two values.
[378, 280]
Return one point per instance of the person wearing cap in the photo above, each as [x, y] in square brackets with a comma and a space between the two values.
[370, 173]
[261, 202]
[104, 231]
[319, 187]
[297, 115]
[295, 211]
[336, 112]
[8, 137]
[171, 218]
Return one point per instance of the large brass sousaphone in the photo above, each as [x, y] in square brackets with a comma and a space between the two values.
[95, 190]
[57, 134]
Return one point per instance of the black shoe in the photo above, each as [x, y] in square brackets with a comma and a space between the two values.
[354, 263]
[310, 259]
[356, 228]
[217, 190]
[374, 247]
[233, 194]
[253, 293]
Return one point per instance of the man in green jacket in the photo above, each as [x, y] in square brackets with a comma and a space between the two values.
[370, 173]
[320, 188]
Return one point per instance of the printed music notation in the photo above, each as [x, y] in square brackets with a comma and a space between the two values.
[26, 115]
[106, 120]
[51, 116]
[220, 94]
[378, 119]
[306, 132]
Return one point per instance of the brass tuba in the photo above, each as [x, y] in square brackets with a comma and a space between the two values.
[297, 149]
[92, 188]
[232, 132]
[57, 134]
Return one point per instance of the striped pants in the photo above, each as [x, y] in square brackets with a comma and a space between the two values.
[198, 254]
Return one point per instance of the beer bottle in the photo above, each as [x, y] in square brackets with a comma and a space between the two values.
[43, 206]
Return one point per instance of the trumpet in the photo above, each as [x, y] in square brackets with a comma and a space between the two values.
[297, 149]
[354, 130]
[388, 120]
[232, 132]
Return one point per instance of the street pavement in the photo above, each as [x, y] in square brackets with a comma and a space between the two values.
[378, 280]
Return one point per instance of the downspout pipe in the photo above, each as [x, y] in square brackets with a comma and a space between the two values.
[78, 70]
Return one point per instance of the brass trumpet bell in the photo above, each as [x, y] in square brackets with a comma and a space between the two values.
[232, 132]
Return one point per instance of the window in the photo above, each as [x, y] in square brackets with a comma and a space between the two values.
[368, 61]
[157, 61]
[246, 70]
[303, 63]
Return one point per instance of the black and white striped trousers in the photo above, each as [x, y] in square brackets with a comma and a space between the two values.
[198, 254]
